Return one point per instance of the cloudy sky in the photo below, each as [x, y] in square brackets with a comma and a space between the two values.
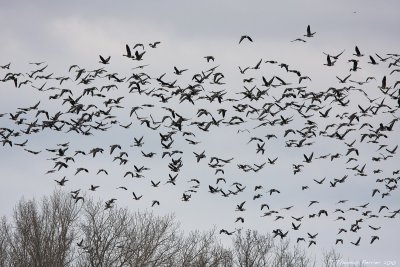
[64, 34]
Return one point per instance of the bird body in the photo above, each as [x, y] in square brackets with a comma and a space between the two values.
[309, 33]
[243, 37]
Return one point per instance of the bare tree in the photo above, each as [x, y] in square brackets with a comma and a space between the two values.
[252, 248]
[101, 235]
[285, 256]
[114, 237]
[331, 258]
[203, 249]
[151, 240]
[42, 234]
[4, 247]
[225, 257]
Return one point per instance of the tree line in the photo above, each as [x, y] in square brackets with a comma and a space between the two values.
[57, 231]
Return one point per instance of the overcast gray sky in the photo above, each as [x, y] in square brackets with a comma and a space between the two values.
[63, 34]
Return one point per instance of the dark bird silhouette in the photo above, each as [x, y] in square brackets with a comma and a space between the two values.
[299, 40]
[358, 53]
[298, 219]
[102, 170]
[296, 227]
[179, 72]
[212, 189]
[128, 52]
[240, 206]
[136, 197]
[239, 219]
[344, 79]
[62, 181]
[309, 158]
[309, 33]
[80, 243]
[154, 184]
[373, 238]
[311, 236]
[272, 161]
[372, 61]
[357, 243]
[93, 187]
[223, 231]
[339, 240]
[209, 58]
[32, 152]
[245, 37]
[113, 147]
[122, 187]
[374, 228]
[264, 205]
[336, 57]
[392, 151]
[355, 65]
[104, 60]
[78, 170]
[154, 44]
[273, 191]
[6, 66]
[199, 156]
[322, 212]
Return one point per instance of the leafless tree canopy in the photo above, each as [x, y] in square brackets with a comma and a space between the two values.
[57, 231]
[41, 234]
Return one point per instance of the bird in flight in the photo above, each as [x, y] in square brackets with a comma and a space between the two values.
[309, 33]
[104, 60]
[154, 44]
[209, 58]
[223, 231]
[299, 40]
[358, 53]
[245, 37]
[62, 181]
[357, 243]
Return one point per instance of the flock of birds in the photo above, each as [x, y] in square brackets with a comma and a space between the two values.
[277, 108]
